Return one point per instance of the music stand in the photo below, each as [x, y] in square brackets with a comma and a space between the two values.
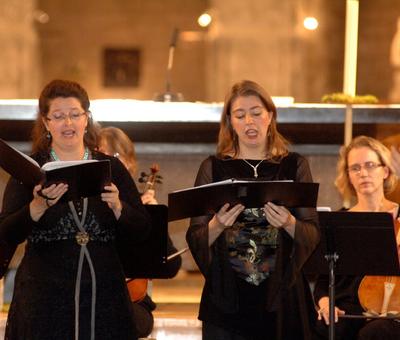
[345, 237]
[148, 259]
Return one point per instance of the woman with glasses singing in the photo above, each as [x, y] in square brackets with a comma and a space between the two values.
[252, 258]
[365, 173]
[70, 283]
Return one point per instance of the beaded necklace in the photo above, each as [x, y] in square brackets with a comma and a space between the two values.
[55, 157]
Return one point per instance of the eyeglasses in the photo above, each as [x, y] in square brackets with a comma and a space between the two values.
[59, 117]
[369, 166]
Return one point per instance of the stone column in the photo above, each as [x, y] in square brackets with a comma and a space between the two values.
[249, 40]
[19, 59]
[265, 41]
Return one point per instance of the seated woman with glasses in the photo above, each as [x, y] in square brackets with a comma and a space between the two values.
[364, 172]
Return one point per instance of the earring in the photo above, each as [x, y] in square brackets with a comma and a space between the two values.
[85, 130]
[48, 135]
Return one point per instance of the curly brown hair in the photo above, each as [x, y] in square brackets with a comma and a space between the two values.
[55, 89]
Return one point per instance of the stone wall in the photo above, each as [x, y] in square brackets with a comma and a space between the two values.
[378, 26]
[19, 63]
[259, 39]
[74, 39]
[266, 41]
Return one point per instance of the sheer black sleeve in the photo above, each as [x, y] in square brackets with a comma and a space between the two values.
[306, 235]
[197, 234]
[15, 219]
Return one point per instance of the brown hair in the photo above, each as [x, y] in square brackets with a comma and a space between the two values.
[64, 89]
[118, 142]
[342, 181]
[228, 144]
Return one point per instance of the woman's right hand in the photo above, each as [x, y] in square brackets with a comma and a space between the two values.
[45, 198]
[148, 197]
[223, 219]
[323, 312]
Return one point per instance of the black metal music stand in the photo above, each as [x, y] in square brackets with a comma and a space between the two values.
[148, 259]
[351, 244]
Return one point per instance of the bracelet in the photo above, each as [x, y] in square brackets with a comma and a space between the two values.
[41, 194]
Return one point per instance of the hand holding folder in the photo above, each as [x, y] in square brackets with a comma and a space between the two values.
[85, 178]
[208, 198]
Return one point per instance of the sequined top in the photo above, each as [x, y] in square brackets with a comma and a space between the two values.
[252, 245]
[65, 229]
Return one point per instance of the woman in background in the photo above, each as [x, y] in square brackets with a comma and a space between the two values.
[115, 142]
[364, 172]
[252, 258]
[70, 283]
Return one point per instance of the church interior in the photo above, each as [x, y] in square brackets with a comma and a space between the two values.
[159, 70]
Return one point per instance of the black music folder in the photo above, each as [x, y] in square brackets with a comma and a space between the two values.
[207, 199]
[85, 178]
[365, 243]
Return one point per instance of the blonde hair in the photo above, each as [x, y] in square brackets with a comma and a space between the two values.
[342, 181]
[120, 145]
[228, 144]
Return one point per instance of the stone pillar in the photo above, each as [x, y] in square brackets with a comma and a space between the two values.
[19, 59]
[249, 40]
[265, 41]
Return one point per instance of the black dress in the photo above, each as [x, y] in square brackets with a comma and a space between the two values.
[271, 299]
[43, 305]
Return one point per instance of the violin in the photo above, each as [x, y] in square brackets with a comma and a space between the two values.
[137, 288]
[380, 295]
[150, 179]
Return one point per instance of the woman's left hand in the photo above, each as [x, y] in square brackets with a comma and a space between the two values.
[280, 217]
[111, 197]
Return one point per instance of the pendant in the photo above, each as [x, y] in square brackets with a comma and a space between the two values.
[254, 167]
[82, 238]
